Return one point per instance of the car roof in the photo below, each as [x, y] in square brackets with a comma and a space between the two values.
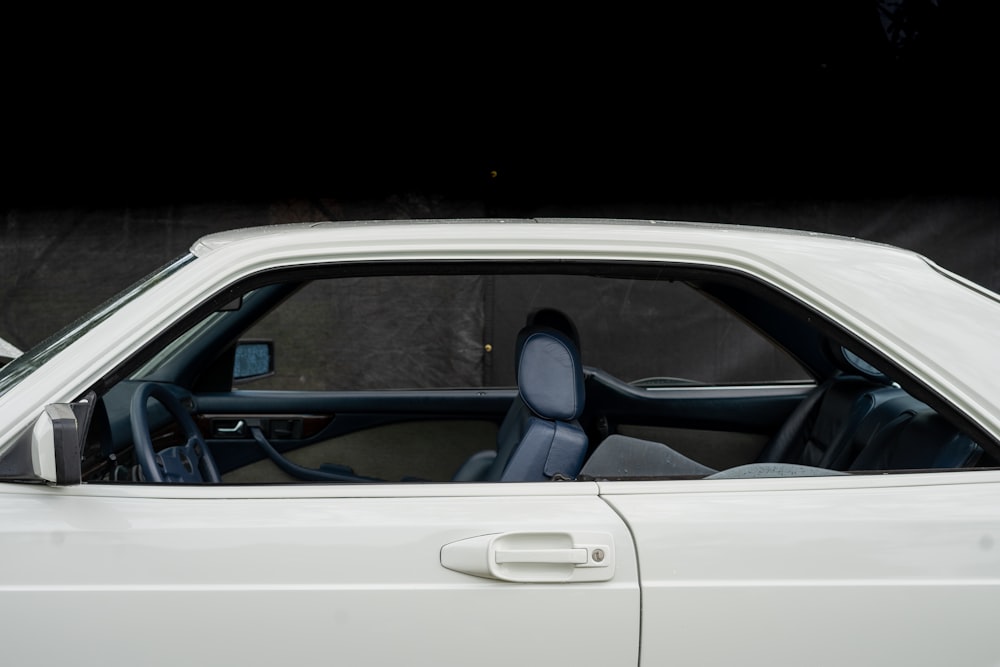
[215, 240]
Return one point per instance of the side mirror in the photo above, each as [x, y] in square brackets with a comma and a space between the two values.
[55, 445]
[254, 359]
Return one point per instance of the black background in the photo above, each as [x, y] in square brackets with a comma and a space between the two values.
[718, 100]
[127, 136]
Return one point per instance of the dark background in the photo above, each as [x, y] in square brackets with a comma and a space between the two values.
[126, 139]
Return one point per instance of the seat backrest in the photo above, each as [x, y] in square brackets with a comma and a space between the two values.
[540, 438]
[820, 429]
[918, 440]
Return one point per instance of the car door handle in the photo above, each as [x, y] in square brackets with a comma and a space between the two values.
[538, 557]
[572, 556]
[234, 430]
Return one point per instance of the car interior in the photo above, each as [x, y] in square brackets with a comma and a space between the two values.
[512, 372]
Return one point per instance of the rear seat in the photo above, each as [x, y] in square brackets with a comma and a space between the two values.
[821, 433]
[890, 408]
[847, 423]
[919, 440]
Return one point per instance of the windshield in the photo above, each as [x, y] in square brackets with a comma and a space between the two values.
[31, 360]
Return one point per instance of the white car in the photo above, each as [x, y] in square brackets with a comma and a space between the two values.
[510, 442]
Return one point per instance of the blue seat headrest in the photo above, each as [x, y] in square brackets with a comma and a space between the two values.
[550, 374]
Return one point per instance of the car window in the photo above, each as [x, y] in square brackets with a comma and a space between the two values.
[400, 378]
[402, 332]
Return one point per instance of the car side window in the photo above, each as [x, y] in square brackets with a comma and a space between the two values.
[670, 377]
[426, 331]
[381, 332]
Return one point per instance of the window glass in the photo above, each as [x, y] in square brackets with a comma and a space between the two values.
[402, 332]
[644, 330]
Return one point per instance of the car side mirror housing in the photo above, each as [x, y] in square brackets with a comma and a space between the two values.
[254, 359]
[55, 445]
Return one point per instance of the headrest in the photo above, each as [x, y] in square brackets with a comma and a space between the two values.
[550, 375]
[549, 318]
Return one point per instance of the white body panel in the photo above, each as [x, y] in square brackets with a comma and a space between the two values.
[326, 575]
[872, 570]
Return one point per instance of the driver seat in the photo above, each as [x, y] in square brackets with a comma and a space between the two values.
[540, 438]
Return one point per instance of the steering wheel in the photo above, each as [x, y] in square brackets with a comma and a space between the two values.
[190, 463]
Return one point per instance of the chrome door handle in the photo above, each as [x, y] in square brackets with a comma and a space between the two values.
[236, 428]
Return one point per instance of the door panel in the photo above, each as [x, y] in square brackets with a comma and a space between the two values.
[388, 435]
[411, 450]
[304, 574]
[822, 571]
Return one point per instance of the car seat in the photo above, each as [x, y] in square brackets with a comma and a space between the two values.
[540, 437]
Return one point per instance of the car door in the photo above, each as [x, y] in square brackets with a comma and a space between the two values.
[859, 570]
[387, 435]
[317, 574]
